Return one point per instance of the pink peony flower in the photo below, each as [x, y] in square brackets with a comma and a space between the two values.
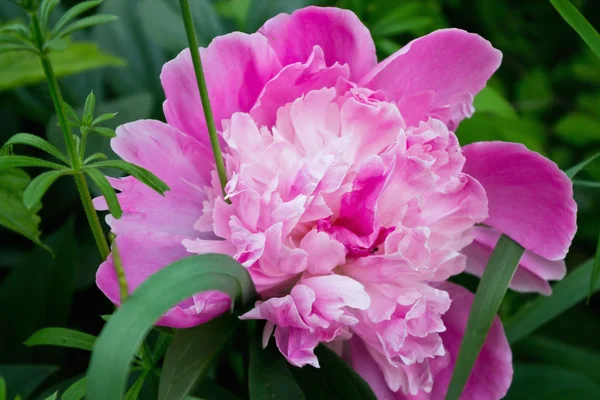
[351, 199]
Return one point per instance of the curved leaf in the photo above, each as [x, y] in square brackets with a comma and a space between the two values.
[128, 326]
[190, 354]
[35, 141]
[72, 13]
[87, 23]
[107, 191]
[141, 174]
[62, 337]
[40, 185]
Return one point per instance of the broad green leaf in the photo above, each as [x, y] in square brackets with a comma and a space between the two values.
[578, 22]
[141, 174]
[40, 185]
[561, 354]
[335, 380]
[269, 375]
[76, 391]
[542, 382]
[191, 353]
[62, 337]
[28, 139]
[578, 129]
[134, 390]
[87, 22]
[13, 213]
[489, 100]
[73, 13]
[24, 161]
[571, 172]
[22, 380]
[491, 289]
[565, 294]
[107, 191]
[128, 326]
[20, 69]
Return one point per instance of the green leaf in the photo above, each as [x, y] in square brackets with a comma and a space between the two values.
[40, 185]
[578, 22]
[76, 391]
[191, 353]
[7, 162]
[489, 100]
[28, 139]
[578, 129]
[106, 132]
[20, 69]
[87, 22]
[13, 213]
[2, 389]
[45, 10]
[22, 380]
[128, 326]
[53, 396]
[88, 108]
[335, 380]
[107, 191]
[269, 375]
[134, 390]
[72, 13]
[571, 172]
[15, 48]
[71, 113]
[141, 174]
[488, 297]
[94, 157]
[62, 337]
[104, 117]
[534, 91]
[565, 294]
[588, 184]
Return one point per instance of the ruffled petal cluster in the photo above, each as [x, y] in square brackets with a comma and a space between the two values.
[349, 199]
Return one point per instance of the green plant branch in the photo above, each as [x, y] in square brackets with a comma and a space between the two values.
[208, 115]
[74, 156]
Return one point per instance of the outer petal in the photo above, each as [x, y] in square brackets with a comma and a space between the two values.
[143, 254]
[236, 67]
[492, 373]
[179, 160]
[341, 35]
[530, 198]
[451, 63]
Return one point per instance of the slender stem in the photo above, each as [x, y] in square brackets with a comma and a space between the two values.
[123, 290]
[208, 115]
[76, 158]
[90, 212]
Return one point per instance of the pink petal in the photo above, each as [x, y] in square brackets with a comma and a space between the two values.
[143, 254]
[179, 160]
[236, 67]
[292, 82]
[324, 253]
[451, 63]
[530, 198]
[341, 35]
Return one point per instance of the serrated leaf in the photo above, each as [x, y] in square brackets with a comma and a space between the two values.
[20, 69]
[488, 297]
[88, 108]
[94, 157]
[104, 117]
[13, 214]
[72, 13]
[62, 337]
[107, 191]
[87, 22]
[40, 185]
[28, 139]
[128, 326]
[571, 172]
[7, 162]
[76, 391]
[141, 174]
[578, 22]
[106, 132]
[191, 353]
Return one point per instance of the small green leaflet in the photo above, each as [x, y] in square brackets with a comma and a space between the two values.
[62, 337]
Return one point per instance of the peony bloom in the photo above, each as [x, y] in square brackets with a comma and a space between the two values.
[351, 200]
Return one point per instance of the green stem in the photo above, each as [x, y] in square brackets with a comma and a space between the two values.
[76, 158]
[208, 115]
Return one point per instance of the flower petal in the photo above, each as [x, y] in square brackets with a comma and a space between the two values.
[530, 198]
[451, 63]
[236, 67]
[177, 159]
[341, 35]
[143, 254]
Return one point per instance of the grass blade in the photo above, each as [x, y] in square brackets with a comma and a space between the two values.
[124, 333]
[571, 172]
[578, 22]
[588, 184]
[39, 186]
[62, 337]
[107, 191]
[565, 294]
[190, 354]
[497, 275]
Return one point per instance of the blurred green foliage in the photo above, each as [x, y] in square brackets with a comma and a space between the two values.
[545, 95]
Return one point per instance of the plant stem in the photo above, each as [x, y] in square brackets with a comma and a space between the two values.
[208, 115]
[76, 161]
